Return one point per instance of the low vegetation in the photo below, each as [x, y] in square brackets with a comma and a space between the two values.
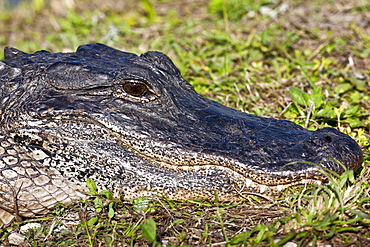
[306, 61]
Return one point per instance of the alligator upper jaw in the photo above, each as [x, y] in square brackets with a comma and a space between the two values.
[267, 151]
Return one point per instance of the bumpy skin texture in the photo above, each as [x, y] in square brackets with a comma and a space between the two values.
[136, 127]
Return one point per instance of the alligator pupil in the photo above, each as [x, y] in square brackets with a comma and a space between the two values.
[135, 89]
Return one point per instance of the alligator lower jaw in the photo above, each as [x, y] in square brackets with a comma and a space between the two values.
[227, 184]
[235, 193]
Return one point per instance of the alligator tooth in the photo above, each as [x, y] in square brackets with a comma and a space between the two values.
[248, 182]
[280, 187]
[263, 188]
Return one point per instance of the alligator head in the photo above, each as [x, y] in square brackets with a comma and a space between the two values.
[135, 126]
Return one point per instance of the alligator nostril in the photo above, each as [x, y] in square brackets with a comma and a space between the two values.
[327, 138]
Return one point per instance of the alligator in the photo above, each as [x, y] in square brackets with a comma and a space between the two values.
[134, 126]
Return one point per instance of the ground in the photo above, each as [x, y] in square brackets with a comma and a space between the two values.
[306, 61]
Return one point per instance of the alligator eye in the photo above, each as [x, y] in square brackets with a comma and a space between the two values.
[134, 88]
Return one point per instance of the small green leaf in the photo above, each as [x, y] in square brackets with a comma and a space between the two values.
[286, 239]
[355, 122]
[265, 37]
[241, 238]
[326, 112]
[299, 96]
[178, 222]
[92, 187]
[107, 194]
[149, 228]
[359, 84]
[92, 221]
[98, 204]
[317, 97]
[302, 234]
[352, 111]
[98, 201]
[341, 88]
[142, 205]
[262, 228]
[110, 210]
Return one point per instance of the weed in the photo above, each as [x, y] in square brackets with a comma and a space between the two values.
[149, 231]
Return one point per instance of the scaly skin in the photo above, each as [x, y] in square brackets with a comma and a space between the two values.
[136, 127]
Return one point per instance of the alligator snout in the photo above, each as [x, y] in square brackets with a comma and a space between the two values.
[265, 150]
[336, 147]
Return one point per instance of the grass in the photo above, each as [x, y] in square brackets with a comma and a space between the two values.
[297, 60]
